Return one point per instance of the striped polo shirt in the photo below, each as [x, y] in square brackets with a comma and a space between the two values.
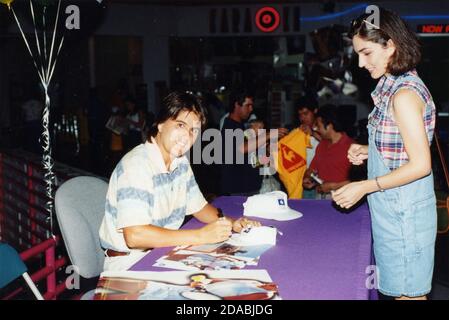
[387, 137]
[143, 192]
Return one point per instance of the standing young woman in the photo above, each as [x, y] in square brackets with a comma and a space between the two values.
[400, 183]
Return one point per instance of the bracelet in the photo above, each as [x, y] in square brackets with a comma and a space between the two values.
[378, 185]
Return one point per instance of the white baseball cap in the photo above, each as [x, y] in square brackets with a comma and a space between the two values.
[270, 205]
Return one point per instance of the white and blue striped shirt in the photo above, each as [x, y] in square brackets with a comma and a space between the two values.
[143, 192]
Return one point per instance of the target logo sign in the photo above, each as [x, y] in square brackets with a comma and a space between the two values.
[267, 19]
[261, 19]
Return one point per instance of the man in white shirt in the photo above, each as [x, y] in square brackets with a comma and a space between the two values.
[152, 189]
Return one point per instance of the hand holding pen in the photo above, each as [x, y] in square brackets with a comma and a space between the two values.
[240, 225]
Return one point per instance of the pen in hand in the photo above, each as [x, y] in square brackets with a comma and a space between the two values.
[220, 214]
[319, 181]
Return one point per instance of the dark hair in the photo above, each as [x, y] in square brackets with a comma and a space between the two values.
[238, 96]
[173, 104]
[306, 102]
[408, 49]
[329, 115]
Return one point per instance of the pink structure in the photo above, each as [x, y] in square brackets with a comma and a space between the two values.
[24, 222]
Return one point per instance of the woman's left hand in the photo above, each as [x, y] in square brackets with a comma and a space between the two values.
[349, 194]
[244, 223]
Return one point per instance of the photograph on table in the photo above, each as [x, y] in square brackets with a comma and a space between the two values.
[247, 253]
[184, 260]
[219, 256]
[182, 285]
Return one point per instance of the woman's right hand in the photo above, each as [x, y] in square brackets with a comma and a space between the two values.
[217, 231]
[357, 153]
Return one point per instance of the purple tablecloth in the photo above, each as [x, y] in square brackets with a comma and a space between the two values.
[323, 255]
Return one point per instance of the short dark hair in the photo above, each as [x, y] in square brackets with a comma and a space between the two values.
[408, 49]
[173, 104]
[306, 102]
[329, 115]
[238, 96]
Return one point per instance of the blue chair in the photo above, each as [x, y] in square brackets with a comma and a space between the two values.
[12, 267]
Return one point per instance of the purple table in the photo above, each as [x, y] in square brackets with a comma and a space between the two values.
[323, 255]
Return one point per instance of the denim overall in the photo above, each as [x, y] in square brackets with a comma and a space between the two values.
[404, 223]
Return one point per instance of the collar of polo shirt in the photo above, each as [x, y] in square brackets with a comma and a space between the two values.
[155, 156]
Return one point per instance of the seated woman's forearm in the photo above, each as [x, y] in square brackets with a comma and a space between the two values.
[147, 237]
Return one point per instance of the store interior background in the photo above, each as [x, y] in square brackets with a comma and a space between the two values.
[209, 47]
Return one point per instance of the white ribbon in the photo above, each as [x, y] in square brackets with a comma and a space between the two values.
[45, 70]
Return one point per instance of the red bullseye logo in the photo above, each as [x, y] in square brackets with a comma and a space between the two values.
[267, 19]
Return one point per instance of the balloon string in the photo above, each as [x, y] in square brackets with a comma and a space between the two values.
[35, 29]
[35, 33]
[53, 41]
[45, 75]
[56, 59]
[45, 35]
[47, 160]
[41, 76]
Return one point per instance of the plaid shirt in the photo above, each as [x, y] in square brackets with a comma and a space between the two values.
[387, 138]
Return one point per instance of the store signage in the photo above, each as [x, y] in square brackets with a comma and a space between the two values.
[433, 28]
[255, 20]
[267, 19]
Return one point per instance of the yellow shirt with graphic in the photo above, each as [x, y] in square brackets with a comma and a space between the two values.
[292, 164]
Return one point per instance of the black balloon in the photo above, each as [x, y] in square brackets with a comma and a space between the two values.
[45, 2]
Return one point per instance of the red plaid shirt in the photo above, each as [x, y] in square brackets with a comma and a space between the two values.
[387, 138]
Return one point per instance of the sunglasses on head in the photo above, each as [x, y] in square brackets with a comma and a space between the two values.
[358, 22]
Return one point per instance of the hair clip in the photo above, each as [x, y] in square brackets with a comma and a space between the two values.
[371, 24]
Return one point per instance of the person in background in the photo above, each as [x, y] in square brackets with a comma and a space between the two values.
[117, 110]
[260, 157]
[330, 162]
[307, 107]
[136, 119]
[241, 178]
[251, 117]
[255, 125]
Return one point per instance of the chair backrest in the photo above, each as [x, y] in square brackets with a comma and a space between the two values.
[79, 204]
[11, 266]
